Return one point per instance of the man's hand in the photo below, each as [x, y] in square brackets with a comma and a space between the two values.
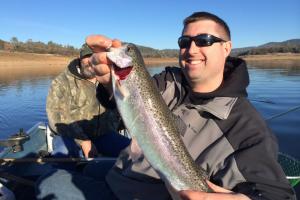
[100, 45]
[89, 149]
[219, 194]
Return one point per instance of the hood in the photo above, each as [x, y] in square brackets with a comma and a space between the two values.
[73, 69]
[236, 80]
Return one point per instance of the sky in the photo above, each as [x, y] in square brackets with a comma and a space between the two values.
[152, 23]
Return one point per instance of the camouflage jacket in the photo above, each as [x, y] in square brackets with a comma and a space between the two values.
[73, 109]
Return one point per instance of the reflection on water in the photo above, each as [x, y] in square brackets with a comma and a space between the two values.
[279, 92]
[22, 104]
[287, 67]
[273, 90]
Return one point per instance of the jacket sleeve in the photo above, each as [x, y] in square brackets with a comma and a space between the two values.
[172, 86]
[58, 111]
[160, 80]
[255, 153]
[104, 97]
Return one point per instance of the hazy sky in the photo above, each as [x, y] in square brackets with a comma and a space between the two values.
[153, 23]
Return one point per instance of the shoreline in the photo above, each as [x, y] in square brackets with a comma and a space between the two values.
[277, 60]
[272, 57]
[20, 59]
[32, 60]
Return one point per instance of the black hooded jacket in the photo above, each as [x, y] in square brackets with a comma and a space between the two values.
[253, 147]
[224, 134]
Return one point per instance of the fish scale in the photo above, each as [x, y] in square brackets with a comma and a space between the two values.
[150, 122]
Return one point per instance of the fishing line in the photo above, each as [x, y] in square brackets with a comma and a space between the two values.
[263, 101]
[283, 113]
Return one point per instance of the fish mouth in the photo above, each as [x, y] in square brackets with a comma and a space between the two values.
[122, 62]
[122, 73]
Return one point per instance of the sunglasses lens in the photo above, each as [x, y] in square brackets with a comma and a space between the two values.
[184, 42]
[203, 41]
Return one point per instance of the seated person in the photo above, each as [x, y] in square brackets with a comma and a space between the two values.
[77, 118]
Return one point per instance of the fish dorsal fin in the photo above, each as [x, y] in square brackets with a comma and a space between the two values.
[135, 149]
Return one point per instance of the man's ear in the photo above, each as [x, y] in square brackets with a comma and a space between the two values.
[227, 48]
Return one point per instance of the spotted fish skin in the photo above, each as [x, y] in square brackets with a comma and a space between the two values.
[150, 122]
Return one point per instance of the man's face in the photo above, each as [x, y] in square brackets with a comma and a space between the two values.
[204, 66]
[85, 68]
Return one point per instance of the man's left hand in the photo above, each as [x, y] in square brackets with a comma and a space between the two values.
[218, 194]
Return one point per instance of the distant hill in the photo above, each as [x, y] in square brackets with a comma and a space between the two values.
[240, 51]
[289, 46]
[37, 47]
[148, 52]
[53, 48]
[293, 42]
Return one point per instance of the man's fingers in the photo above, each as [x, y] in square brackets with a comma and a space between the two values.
[217, 188]
[98, 43]
[101, 69]
[104, 79]
[99, 58]
[100, 63]
[116, 43]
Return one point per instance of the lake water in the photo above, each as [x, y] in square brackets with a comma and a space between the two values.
[273, 91]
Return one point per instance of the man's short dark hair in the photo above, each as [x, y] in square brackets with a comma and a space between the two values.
[206, 15]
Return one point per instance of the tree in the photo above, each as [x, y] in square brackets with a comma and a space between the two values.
[2, 44]
[14, 40]
[15, 43]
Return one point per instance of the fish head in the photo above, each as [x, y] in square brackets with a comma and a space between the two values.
[126, 59]
[136, 56]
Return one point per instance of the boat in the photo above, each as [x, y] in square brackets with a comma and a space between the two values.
[27, 156]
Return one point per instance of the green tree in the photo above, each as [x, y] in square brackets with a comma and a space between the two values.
[2, 43]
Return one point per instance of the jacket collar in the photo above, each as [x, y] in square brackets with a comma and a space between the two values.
[235, 82]
[220, 107]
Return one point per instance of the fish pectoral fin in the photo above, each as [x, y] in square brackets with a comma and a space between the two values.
[135, 149]
[173, 192]
[122, 92]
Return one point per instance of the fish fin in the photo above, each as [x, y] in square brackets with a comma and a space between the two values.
[173, 192]
[135, 149]
[122, 92]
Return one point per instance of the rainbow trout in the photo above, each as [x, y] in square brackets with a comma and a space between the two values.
[150, 122]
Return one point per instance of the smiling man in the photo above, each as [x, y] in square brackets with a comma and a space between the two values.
[203, 71]
[222, 131]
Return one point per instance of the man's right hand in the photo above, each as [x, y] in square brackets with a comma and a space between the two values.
[100, 45]
[88, 148]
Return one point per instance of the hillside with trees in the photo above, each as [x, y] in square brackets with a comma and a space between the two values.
[288, 46]
[66, 50]
[37, 47]
[14, 45]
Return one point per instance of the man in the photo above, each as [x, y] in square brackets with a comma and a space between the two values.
[75, 114]
[224, 133]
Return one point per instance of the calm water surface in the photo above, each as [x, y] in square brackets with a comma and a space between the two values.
[273, 91]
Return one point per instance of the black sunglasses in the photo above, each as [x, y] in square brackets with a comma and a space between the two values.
[202, 40]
